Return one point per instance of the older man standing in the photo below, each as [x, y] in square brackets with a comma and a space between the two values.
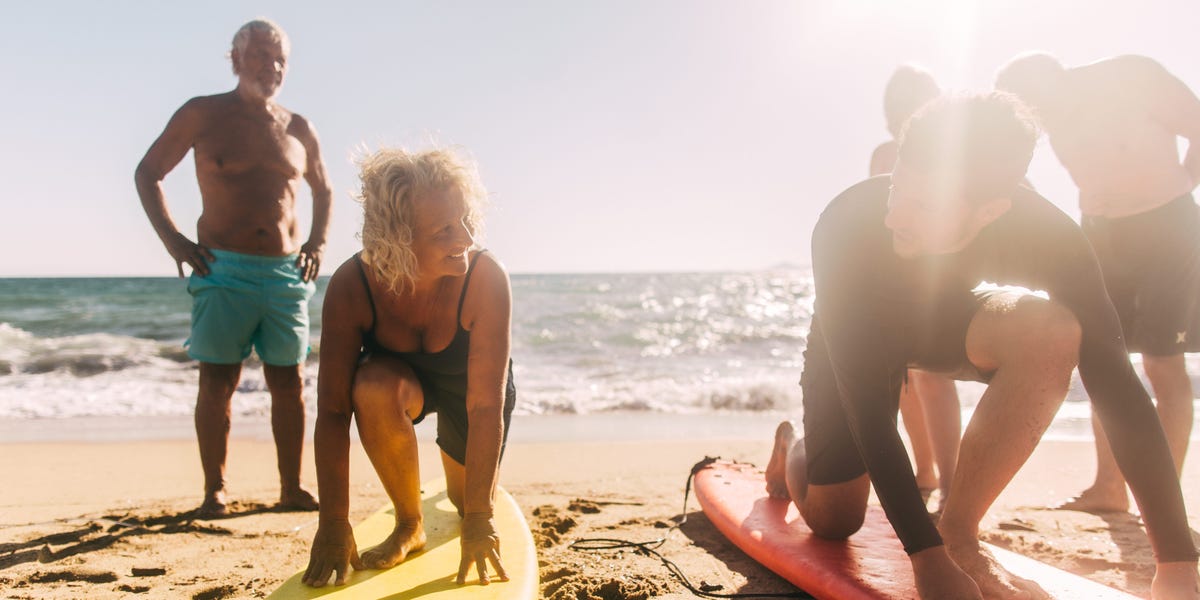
[1114, 124]
[251, 276]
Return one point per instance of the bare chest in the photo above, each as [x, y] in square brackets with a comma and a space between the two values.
[1104, 138]
[236, 144]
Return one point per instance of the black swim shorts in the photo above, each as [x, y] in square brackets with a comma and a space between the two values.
[1151, 267]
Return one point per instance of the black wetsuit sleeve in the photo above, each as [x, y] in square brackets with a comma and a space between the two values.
[1071, 275]
[852, 302]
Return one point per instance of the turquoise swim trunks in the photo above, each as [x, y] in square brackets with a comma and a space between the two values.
[250, 301]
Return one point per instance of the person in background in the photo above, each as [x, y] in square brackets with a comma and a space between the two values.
[928, 401]
[1115, 125]
[252, 275]
[418, 322]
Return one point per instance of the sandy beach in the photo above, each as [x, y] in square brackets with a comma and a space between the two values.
[109, 519]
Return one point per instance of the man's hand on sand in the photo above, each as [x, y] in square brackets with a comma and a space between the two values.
[333, 551]
[480, 545]
[184, 250]
[309, 261]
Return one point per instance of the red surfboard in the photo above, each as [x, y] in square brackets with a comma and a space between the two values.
[870, 565]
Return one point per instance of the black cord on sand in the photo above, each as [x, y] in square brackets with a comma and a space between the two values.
[650, 548]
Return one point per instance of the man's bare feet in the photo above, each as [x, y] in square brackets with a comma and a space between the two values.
[1175, 580]
[405, 538]
[992, 578]
[214, 506]
[297, 499]
[1096, 500]
[776, 474]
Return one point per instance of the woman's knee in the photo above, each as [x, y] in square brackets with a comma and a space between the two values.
[386, 386]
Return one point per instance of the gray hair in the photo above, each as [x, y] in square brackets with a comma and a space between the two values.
[241, 39]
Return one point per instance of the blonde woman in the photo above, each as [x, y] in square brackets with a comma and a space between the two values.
[418, 322]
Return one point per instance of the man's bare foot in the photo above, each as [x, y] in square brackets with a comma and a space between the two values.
[776, 474]
[214, 506]
[404, 539]
[1097, 501]
[297, 499]
[993, 580]
[1174, 580]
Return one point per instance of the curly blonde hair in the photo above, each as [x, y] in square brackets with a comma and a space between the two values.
[391, 179]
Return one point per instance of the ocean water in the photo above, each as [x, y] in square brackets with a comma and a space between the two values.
[673, 343]
[108, 347]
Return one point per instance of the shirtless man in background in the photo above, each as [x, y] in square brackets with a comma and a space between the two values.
[252, 276]
[1114, 124]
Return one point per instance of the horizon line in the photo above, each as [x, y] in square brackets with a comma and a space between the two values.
[782, 266]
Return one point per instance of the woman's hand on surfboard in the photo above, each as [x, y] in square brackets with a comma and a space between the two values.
[480, 545]
[333, 551]
[939, 578]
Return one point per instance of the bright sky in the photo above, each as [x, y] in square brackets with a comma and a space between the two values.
[626, 135]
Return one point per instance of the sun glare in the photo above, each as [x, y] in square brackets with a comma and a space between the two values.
[948, 27]
[957, 32]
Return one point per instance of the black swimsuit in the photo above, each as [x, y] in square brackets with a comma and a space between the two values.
[443, 375]
[876, 314]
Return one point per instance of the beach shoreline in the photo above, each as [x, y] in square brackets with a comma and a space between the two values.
[78, 517]
[605, 426]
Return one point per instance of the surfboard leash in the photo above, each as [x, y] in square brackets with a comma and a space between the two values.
[650, 548]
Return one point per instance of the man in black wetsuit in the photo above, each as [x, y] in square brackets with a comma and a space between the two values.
[897, 262]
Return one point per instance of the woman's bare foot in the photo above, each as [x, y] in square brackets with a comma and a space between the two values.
[776, 474]
[298, 499]
[214, 505]
[992, 578]
[406, 538]
[1097, 500]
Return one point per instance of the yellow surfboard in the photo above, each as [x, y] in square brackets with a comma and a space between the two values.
[430, 574]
